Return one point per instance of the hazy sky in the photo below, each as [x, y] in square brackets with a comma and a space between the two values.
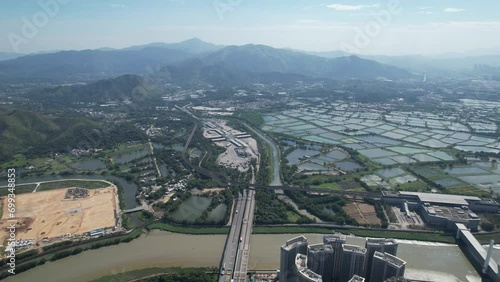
[413, 27]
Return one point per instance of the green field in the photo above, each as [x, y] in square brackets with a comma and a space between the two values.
[72, 183]
[20, 189]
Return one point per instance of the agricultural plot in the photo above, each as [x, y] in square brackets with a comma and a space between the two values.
[398, 130]
[312, 160]
[480, 175]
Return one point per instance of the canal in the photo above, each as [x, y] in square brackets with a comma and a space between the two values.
[276, 160]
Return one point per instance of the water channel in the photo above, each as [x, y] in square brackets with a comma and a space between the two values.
[276, 160]
[426, 261]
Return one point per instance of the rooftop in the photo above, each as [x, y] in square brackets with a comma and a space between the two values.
[301, 264]
[353, 249]
[294, 242]
[392, 260]
[380, 241]
[333, 238]
[442, 198]
[456, 213]
[316, 248]
[357, 278]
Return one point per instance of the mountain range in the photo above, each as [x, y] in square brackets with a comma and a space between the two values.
[195, 60]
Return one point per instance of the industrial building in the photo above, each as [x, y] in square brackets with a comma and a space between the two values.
[385, 266]
[353, 262]
[289, 251]
[443, 210]
[320, 260]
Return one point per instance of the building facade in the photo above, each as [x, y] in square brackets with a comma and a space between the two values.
[385, 266]
[382, 245]
[288, 254]
[353, 262]
[320, 260]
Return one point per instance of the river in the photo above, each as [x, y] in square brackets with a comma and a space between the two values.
[430, 261]
[276, 160]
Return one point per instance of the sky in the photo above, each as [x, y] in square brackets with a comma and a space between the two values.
[387, 27]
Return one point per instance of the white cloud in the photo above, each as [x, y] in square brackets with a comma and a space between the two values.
[425, 12]
[117, 6]
[453, 10]
[342, 7]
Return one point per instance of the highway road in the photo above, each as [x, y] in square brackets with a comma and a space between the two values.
[237, 249]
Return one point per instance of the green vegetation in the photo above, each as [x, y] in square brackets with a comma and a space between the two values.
[88, 184]
[195, 230]
[419, 236]
[35, 134]
[484, 238]
[163, 275]
[20, 189]
[291, 230]
[254, 118]
[270, 210]
[327, 208]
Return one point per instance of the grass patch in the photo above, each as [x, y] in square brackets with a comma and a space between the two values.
[124, 149]
[188, 229]
[485, 238]
[330, 185]
[20, 189]
[196, 274]
[290, 230]
[415, 186]
[431, 237]
[72, 183]
[468, 190]
[292, 217]
[419, 236]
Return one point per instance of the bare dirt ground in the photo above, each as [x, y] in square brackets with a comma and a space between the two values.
[47, 214]
[362, 213]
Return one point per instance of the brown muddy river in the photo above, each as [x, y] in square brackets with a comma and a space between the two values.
[163, 249]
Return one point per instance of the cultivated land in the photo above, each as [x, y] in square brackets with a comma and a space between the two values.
[362, 213]
[48, 215]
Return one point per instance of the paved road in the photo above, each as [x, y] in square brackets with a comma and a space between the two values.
[241, 264]
[233, 240]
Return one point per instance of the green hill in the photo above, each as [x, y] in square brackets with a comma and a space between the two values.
[27, 132]
[132, 87]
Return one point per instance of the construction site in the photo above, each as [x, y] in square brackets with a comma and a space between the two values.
[50, 216]
[240, 146]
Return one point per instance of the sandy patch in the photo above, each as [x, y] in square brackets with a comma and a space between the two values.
[48, 214]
